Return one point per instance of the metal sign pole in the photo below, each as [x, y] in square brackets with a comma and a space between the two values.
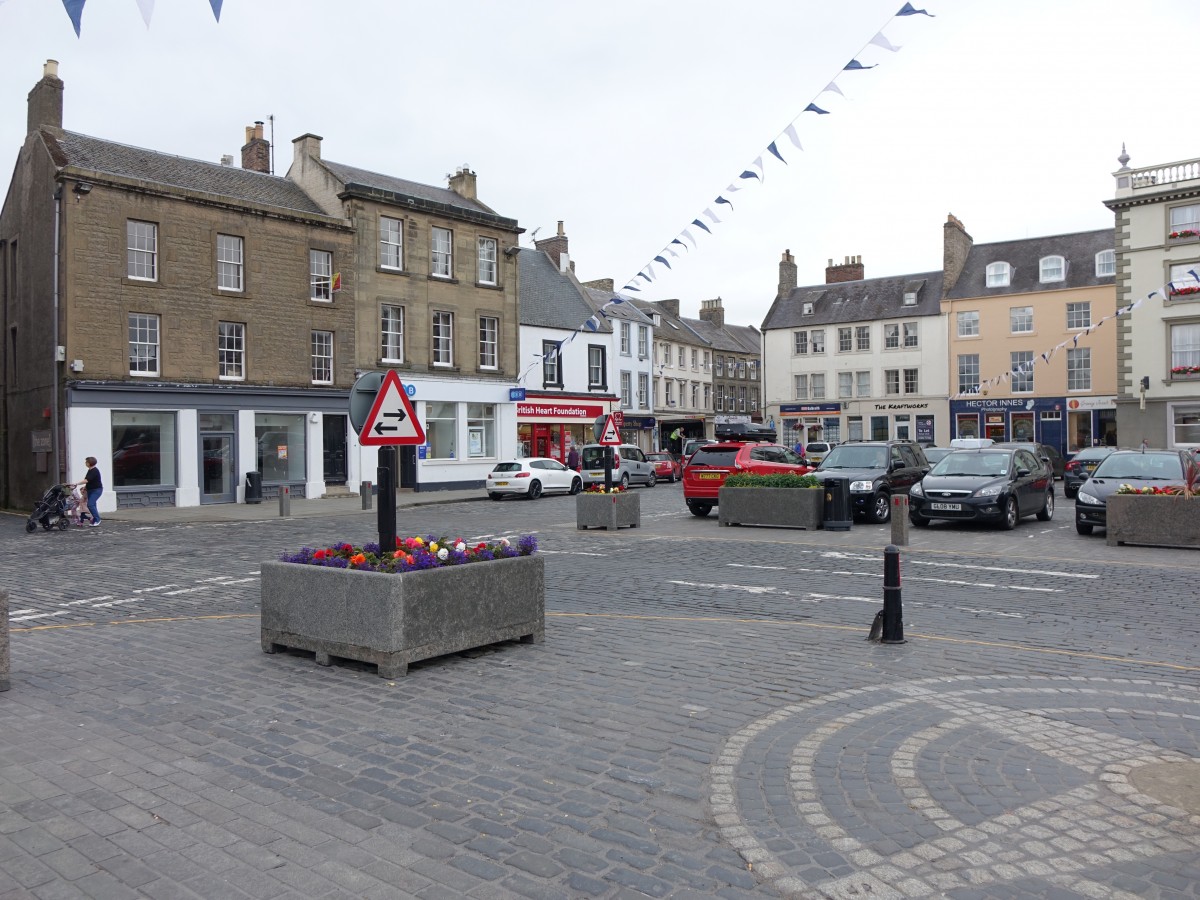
[386, 516]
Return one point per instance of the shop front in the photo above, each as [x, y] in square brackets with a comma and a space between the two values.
[923, 421]
[674, 433]
[550, 427]
[1040, 419]
[1091, 421]
[800, 423]
[639, 431]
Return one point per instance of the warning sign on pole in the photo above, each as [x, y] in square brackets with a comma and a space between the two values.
[611, 436]
[392, 419]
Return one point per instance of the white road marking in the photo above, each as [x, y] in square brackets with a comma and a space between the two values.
[75, 603]
[19, 612]
[159, 587]
[114, 603]
[946, 565]
[845, 597]
[744, 566]
[749, 589]
[61, 612]
[203, 587]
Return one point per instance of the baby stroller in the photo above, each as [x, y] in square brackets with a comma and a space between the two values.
[53, 510]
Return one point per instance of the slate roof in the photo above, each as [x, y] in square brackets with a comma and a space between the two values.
[444, 197]
[1024, 256]
[867, 300]
[109, 158]
[673, 328]
[550, 298]
[730, 338]
[597, 298]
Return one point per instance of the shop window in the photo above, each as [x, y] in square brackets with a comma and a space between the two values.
[481, 430]
[143, 449]
[279, 446]
[441, 430]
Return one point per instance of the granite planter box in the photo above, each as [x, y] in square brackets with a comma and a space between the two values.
[394, 620]
[776, 507]
[611, 511]
[4, 657]
[1155, 521]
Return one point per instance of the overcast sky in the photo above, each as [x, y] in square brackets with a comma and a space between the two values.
[626, 119]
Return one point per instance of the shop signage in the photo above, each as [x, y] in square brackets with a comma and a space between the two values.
[619, 418]
[795, 409]
[516, 394]
[640, 422]
[560, 410]
[1000, 403]
[884, 406]
[1092, 403]
[42, 441]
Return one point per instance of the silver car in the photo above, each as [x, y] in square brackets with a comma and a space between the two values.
[630, 465]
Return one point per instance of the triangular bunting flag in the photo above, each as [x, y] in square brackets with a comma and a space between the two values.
[775, 152]
[702, 225]
[854, 65]
[907, 10]
[730, 205]
[880, 40]
[146, 7]
[216, 8]
[663, 260]
[812, 107]
[790, 131]
[74, 10]
[833, 88]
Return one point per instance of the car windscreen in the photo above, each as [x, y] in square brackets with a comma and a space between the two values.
[657, 457]
[723, 457]
[981, 464]
[507, 467]
[593, 457]
[856, 458]
[1141, 467]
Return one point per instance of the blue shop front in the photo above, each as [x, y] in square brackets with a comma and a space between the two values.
[1066, 423]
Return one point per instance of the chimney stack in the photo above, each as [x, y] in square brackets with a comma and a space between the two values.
[850, 270]
[669, 306]
[462, 182]
[601, 284]
[956, 244]
[256, 155]
[46, 99]
[556, 248]
[787, 275]
[712, 311]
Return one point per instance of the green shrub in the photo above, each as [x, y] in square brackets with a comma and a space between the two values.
[774, 481]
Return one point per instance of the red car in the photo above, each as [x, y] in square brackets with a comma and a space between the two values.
[711, 464]
[666, 466]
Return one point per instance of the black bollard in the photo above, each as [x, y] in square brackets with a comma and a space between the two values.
[386, 516]
[893, 608]
[608, 461]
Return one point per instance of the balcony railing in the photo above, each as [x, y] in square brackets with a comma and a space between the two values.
[1155, 178]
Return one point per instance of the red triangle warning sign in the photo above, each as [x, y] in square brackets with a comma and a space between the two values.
[392, 419]
[611, 437]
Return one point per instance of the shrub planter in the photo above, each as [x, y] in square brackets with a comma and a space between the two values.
[776, 507]
[611, 511]
[392, 620]
[4, 658]
[1155, 521]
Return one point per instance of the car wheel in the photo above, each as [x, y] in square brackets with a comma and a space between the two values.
[652, 480]
[881, 508]
[700, 509]
[1082, 528]
[535, 489]
[674, 477]
[495, 496]
[576, 486]
[1047, 512]
[919, 521]
[625, 481]
[1011, 514]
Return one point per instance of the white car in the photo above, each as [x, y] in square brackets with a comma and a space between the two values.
[531, 478]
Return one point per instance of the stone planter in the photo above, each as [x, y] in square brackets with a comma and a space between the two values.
[611, 511]
[394, 620]
[4, 657]
[776, 507]
[1155, 521]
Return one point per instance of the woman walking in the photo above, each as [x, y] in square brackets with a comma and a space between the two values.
[94, 487]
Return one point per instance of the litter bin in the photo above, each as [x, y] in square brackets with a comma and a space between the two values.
[254, 487]
[838, 515]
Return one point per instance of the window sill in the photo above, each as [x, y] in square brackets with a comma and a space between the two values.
[316, 301]
[1183, 239]
[444, 279]
[393, 364]
[142, 282]
[1195, 376]
[386, 270]
[488, 286]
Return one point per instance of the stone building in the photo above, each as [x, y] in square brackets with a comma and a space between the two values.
[179, 320]
[736, 364]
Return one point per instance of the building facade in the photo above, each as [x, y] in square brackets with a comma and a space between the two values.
[736, 365]
[1157, 211]
[1010, 307]
[179, 320]
[682, 382]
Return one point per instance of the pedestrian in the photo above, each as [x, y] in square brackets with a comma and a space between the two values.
[573, 459]
[77, 505]
[95, 487]
[799, 448]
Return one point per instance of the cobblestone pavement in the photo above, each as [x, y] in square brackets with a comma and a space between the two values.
[704, 719]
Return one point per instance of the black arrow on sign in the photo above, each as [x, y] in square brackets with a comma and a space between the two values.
[401, 415]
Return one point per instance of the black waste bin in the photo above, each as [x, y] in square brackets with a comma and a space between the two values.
[254, 487]
[838, 515]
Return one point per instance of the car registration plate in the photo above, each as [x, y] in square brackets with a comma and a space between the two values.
[946, 507]
[595, 474]
[709, 476]
[1091, 467]
[500, 483]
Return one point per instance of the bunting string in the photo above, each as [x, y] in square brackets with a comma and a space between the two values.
[74, 10]
[1172, 287]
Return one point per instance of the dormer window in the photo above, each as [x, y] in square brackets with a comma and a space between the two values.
[656, 319]
[1106, 263]
[999, 274]
[807, 309]
[910, 298]
[1052, 268]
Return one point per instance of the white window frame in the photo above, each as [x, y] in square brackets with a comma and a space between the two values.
[322, 357]
[1020, 320]
[967, 323]
[145, 343]
[968, 369]
[320, 276]
[1106, 263]
[643, 391]
[707, 396]
[912, 381]
[231, 351]
[682, 357]
[391, 244]
[891, 336]
[845, 385]
[862, 337]
[1177, 275]
[391, 333]
[141, 250]
[1184, 218]
[481, 431]
[230, 263]
[845, 339]
[626, 389]
[626, 330]
[441, 252]
[551, 364]
[597, 377]
[891, 382]
[911, 336]
[816, 339]
[998, 274]
[800, 387]
[1018, 383]
[816, 385]
[442, 339]
[1185, 344]
[643, 341]
[489, 269]
[1190, 412]
[1051, 269]
[862, 383]
[1079, 315]
[489, 343]
[799, 343]
[1079, 368]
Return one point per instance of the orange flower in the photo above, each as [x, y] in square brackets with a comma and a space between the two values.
[358, 559]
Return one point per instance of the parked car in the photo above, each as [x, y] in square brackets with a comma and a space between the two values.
[934, 454]
[666, 466]
[744, 431]
[713, 463]
[1080, 468]
[1140, 468]
[996, 484]
[531, 478]
[876, 470]
[1046, 452]
[815, 451]
[630, 465]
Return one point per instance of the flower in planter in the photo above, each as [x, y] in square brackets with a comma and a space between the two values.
[1169, 490]
[599, 489]
[1185, 370]
[1184, 233]
[412, 554]
[1184, 291]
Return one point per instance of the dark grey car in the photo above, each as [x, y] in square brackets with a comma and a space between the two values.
[876, 470]
[994, 484]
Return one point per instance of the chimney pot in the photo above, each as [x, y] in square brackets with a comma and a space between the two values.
[50, 69]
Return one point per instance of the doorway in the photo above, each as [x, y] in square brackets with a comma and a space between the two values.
[334, 443]
[217, 484]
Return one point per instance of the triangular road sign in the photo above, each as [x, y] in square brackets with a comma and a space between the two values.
[611, 437]
[392, 419]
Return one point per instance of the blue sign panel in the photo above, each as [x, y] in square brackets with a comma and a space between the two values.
[809, 408]
[516, 394]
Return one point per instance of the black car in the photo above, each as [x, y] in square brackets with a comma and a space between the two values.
[876, 470]
[1047, 453]
[1138, 468]
[993, 484]
[1080, 468]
